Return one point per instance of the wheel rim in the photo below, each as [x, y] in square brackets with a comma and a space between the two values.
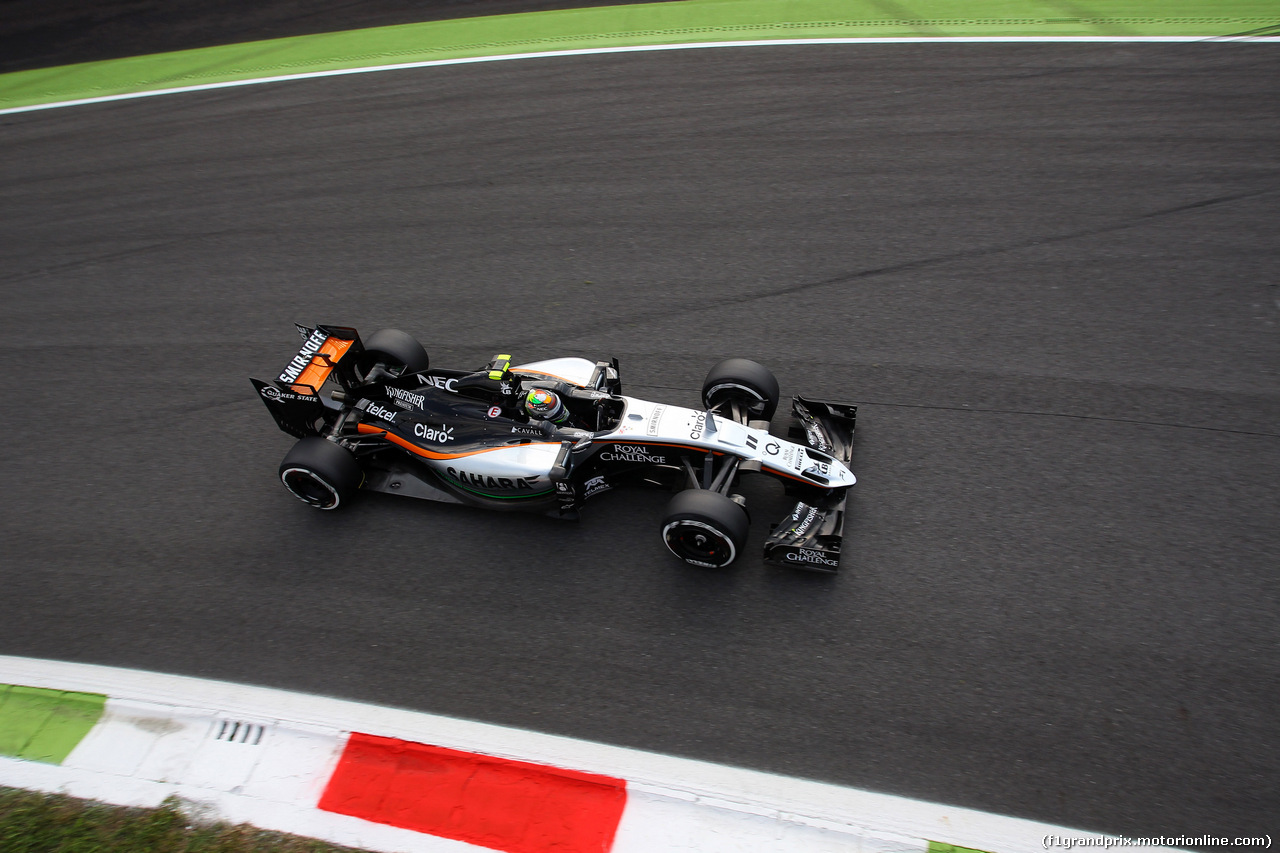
[699, 543]
[751, 399]
[307, 487]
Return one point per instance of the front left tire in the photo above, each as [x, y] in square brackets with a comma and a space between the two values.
[399, 353]
[745, 382]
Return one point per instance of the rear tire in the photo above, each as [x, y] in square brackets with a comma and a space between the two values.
[399, 351]
[705, 528]
[746, 382]
[320, 473]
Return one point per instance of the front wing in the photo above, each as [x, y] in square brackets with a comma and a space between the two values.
[810, 536]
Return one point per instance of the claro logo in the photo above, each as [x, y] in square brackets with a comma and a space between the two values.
[698, 424]
[804, 555]
[440, 435]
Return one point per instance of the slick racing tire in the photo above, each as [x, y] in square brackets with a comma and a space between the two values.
[750, 384]
[705, 528]
[398, 351]
[320, 473]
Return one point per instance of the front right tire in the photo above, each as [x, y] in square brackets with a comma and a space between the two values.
[320, 473]
[705, 528]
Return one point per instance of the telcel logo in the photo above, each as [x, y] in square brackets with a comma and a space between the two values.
[379, 411]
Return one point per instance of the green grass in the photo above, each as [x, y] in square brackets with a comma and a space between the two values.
[627, 26]
[47, 823]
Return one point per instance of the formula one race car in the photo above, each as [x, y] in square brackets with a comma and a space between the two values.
[549, 435]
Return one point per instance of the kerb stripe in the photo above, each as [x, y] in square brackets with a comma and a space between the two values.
[505, 805]
[38, 724]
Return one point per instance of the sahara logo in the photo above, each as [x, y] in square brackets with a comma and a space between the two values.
[483, 481]
[303, 358]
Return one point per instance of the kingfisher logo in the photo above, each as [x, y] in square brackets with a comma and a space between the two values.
[808, 519]
[816, 439]
[407, 397]
[303, 358]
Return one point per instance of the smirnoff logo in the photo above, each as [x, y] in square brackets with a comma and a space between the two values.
[655, 418]
[303, 358]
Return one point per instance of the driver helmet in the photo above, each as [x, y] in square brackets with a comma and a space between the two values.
[545, 405]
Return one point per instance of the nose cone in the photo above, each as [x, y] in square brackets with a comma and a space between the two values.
[842, 476]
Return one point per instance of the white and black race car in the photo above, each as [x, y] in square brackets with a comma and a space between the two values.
[548, 435]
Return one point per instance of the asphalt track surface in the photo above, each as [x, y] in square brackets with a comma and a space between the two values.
[1045, 272]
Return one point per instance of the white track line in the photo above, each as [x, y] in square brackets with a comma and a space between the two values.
[311, 75]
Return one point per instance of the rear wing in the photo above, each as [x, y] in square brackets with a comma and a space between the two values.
[323, 349]
[293, 397]
[810, 536]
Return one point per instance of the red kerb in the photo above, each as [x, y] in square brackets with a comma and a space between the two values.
[506, 805]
